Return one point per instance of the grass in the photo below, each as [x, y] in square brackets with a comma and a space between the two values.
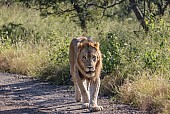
[149, 93]
[23, 60]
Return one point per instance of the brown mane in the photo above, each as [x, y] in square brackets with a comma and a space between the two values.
[87, 44]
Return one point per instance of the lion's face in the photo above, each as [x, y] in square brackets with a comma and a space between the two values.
[88, 57]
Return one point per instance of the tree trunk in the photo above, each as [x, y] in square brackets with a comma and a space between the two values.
[139, 15]
[162, 7]
[81, 15]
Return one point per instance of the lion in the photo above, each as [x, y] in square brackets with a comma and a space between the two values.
[85, 67]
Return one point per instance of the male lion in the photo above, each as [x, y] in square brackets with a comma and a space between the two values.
[85, 67]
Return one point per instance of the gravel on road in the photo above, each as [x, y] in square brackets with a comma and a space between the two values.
[21, 94]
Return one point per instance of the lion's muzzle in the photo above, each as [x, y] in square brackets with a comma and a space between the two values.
[89, 69]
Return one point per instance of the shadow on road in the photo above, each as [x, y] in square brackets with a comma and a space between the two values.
[22, 111]
[33, 97]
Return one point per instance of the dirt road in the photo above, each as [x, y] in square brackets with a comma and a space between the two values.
[22, 95]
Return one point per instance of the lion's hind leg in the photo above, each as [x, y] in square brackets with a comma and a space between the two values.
[72, 61]
[77, 90]
[77, 93]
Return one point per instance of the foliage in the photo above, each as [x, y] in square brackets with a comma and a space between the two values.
[86, 11]
[121, 60]
[9, 30]
[126, 55]
[113, 47]
[12, 33]
[158, 55]
[38, 48]
[57, 68]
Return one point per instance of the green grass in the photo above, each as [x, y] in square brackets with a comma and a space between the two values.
[132, 59]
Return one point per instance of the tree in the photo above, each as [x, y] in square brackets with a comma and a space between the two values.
[143, 7]
[86, 10]
[82, 9]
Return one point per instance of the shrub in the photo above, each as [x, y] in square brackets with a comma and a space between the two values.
[57, 70]
[121, 60]
[111, 51]
[12, 33]
[127, 54]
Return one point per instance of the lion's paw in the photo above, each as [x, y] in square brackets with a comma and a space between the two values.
[85, 105]
[96, 108]
[78, 99]
[77, 96]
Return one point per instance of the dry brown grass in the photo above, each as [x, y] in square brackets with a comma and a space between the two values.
[23, 60]
[149, 92]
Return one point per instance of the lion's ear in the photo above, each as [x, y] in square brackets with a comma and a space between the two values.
[97, 45]
[80, 45]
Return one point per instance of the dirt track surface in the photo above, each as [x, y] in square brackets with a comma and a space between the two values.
[22, 95]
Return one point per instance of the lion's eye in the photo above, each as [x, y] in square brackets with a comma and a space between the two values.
[94, 58]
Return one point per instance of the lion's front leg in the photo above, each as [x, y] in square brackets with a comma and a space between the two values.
[84, 92]
[94, 90]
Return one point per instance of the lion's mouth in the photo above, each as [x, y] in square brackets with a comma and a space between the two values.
[90, 72]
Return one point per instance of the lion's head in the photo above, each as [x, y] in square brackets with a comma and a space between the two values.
[89, 58]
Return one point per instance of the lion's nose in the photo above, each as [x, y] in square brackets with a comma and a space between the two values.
[89, 67]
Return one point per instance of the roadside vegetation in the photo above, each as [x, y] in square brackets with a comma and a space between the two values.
[136, 61]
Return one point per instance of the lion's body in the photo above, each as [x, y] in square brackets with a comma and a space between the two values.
[85, 67]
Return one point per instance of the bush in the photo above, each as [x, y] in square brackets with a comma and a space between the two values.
[111, 50]
[127, 54]
[57, 70]
[121, 60]
[11, 34]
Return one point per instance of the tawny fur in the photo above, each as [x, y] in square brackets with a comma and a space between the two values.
[86, 84]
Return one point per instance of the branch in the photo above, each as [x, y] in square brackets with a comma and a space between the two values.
[64, 11]
[161, 7]
[105, 7]
[116, 3]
